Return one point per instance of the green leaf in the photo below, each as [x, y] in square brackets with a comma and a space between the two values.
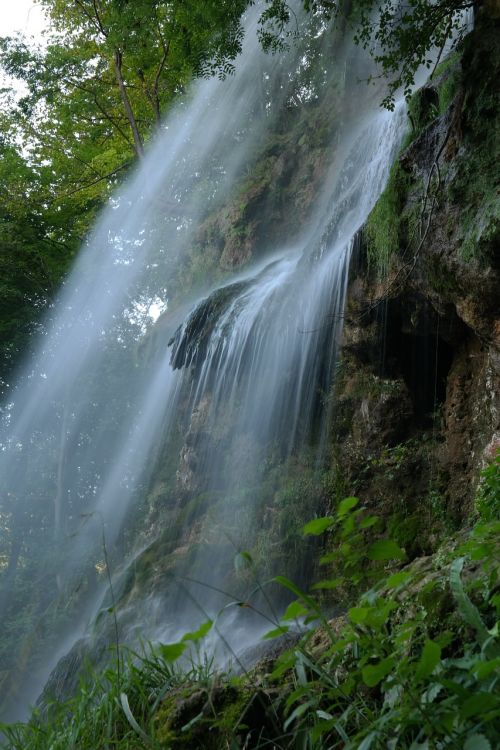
[324, 715]
[477, 742]
[320, 729]
[368, 741]
[386, 549]
[368, 522]
[332, 583]
[300, 669]
[358, 615]
[131, 720]
[346, 505]
[276, 632]
[374, 673]
[242, 561]
[171, 651]
[285, 662]
[431, 693]
[291, 586]
[296, 696]
[479, 704]
[398, 579]
[317, 526]
[330, 557]
[197, 635]
[378, 616]
[193, 721]
[294, 610]
[298, 712]
[430, 658]
[466, 608]
[483, 669]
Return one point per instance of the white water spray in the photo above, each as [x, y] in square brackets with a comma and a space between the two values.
[83, 426]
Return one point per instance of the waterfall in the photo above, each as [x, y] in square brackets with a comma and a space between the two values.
[129, 369]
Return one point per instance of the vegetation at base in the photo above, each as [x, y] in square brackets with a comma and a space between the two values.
[118, 707]
[414, 663]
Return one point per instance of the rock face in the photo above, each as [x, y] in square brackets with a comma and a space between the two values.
[189, 342]
[419, 394]
[416, 404]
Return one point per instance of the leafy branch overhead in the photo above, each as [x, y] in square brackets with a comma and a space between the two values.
[89, 101]
[400, 37]
[112, 68]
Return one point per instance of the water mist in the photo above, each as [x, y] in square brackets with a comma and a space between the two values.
[132, 369]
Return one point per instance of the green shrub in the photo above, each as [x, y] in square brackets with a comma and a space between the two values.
[488, 496]
[413, 664]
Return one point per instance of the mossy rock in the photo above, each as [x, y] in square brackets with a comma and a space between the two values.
[214, 717]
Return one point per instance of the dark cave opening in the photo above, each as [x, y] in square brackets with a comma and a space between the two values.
[419, 346]
[425, 362]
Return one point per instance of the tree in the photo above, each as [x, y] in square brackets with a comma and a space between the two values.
[399, 36]
[92, 98]
[404, 36]
[34, 252]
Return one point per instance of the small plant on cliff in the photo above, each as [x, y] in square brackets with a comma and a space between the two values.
[488, 497]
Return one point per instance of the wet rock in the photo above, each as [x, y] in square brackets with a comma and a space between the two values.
[190, 341]
[188, 476]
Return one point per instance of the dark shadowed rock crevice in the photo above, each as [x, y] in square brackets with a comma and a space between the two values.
[419, 395]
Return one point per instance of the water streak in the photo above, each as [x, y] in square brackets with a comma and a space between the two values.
[84, 427]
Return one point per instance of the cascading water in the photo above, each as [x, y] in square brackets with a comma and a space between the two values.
[259, 359]
[248, 373]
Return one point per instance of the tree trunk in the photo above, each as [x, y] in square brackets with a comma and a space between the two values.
[138, 144]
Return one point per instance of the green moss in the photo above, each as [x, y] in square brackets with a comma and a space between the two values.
[448, 78]
[411, 532]
[441, 280]
[448, 89]
[475, 185]
[480, 224]
[228, 720]
[292, 492]
[383, 226]
[422, 109]
[210, 718]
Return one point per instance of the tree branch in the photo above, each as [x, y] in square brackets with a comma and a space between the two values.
[138, 145]
[89, 184]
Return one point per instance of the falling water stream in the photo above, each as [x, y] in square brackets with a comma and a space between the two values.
[81, 429]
